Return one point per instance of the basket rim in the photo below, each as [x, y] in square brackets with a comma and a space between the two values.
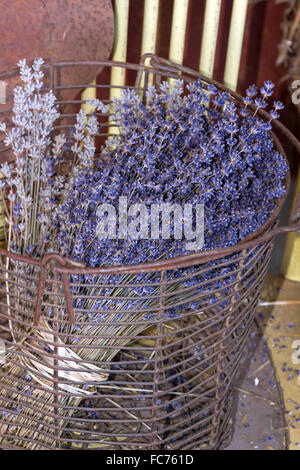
[187, 260]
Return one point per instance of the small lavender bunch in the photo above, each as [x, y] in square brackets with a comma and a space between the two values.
[26, 186]
[32, 188]
[33, 185]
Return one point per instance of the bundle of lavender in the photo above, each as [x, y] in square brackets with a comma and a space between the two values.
[32, 186]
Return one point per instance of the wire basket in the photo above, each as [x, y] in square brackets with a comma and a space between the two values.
[158, 371]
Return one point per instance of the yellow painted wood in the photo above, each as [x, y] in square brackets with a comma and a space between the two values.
[150, 22]
[117, 78]
[209, 37]
[179, 18]
[88, 94]
[120, 45]
[235, 43]
[120, 51]
[291, 259]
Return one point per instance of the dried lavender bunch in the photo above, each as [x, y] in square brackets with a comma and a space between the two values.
[26, 180]
[33, 184]
[197, 147]
[32, 187]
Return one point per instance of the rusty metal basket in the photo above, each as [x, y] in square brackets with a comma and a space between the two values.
[164, 384]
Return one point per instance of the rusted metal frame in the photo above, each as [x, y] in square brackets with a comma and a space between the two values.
[14, 283]
[29, 428]
[114, 382]
[195, 297]
[194, 434]
[56, 403]
[207, 327]
[102, 420]
[183, 261]
[20, 275]
[33, 428]
[164, 440]
[169, 283]
[23, 394]
[48, 259]
[158, 365]
[169, 428]
[15, 296]
[91, 432]
[192, 328]
[75, 420]
[120, 397]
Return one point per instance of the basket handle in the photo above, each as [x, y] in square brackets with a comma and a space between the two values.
[295, 214]
[294, 225]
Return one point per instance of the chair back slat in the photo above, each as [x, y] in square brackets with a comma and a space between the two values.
[117, 78]
[235, 43]
[178, 31]
[89, 94]
[209, 37]
[150, 24]
[120, 48]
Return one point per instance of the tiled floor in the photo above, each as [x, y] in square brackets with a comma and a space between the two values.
[268, 398]
[281, 326]
[259, 422]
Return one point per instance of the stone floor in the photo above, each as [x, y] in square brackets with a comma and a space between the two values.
[268, 395]
[259, 421]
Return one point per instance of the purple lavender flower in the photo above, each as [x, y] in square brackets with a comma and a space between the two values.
[195, 146]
